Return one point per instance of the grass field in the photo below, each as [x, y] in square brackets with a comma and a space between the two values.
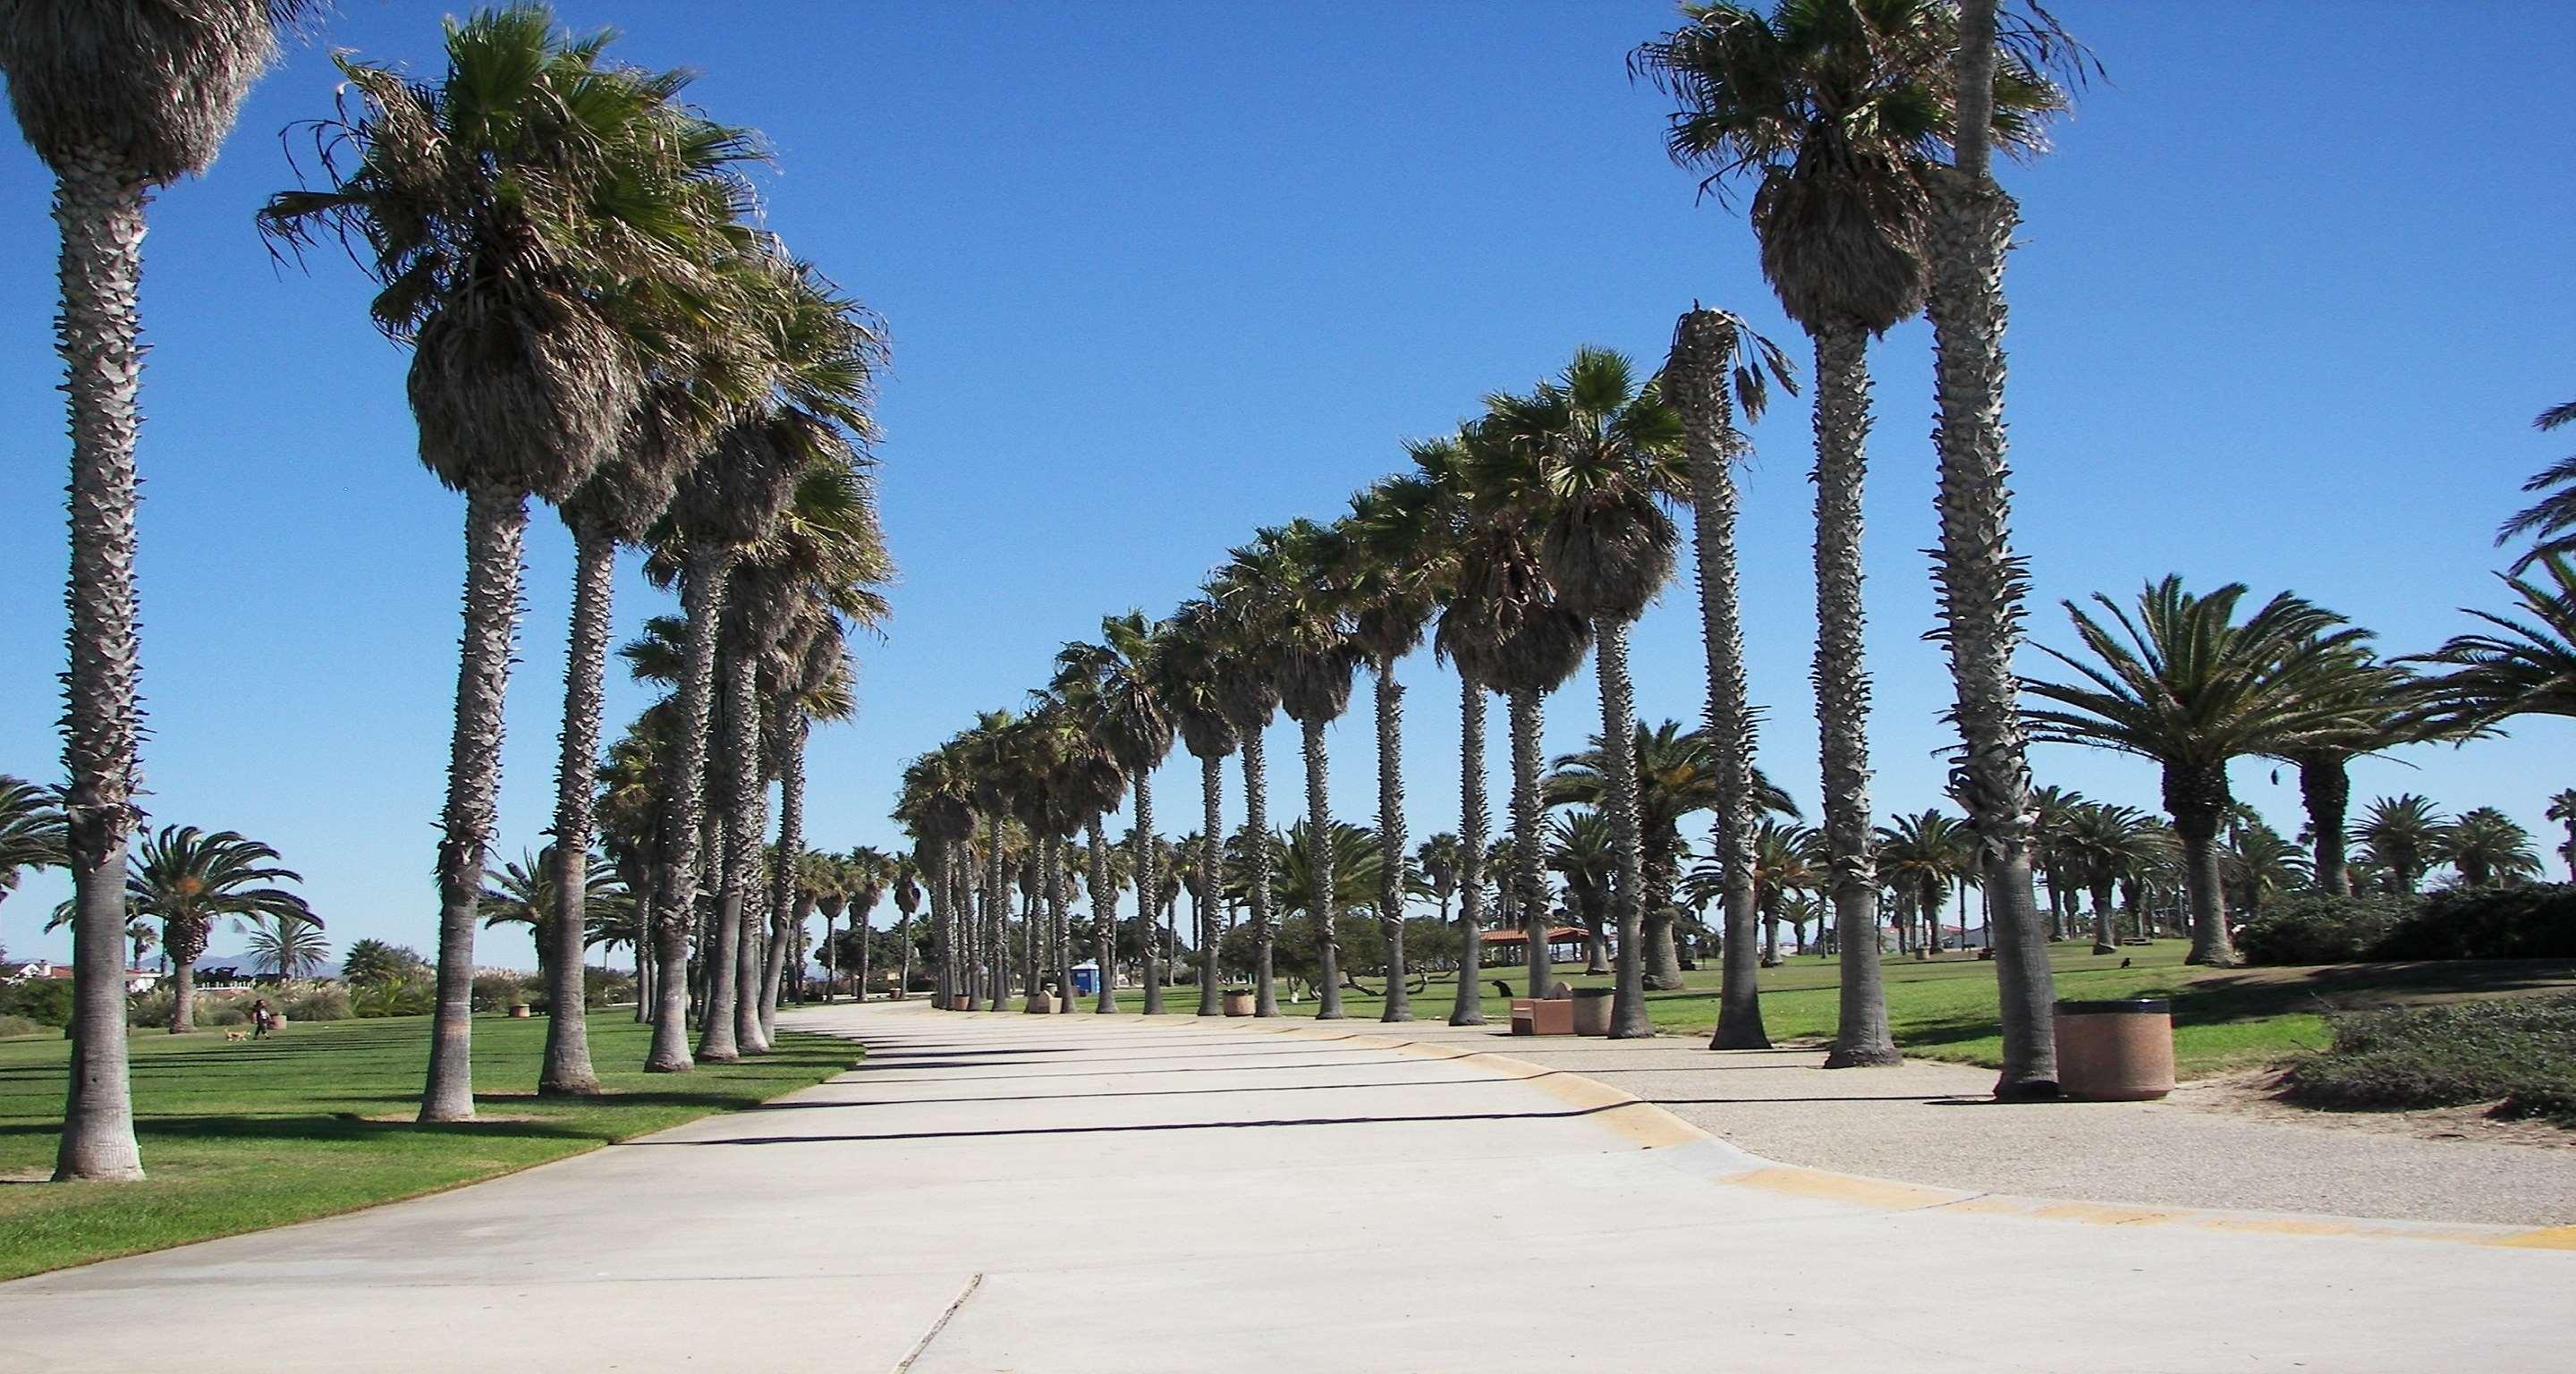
[239, 1136]
[1945, 1008]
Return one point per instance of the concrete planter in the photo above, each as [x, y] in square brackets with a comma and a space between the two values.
[1592, 1011]
[519, 1011]
[1238, 1004]
[1038, 1003]
[2116, 1051]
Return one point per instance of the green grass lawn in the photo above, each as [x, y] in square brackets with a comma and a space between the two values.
[238, 1136]
[1945, 1008]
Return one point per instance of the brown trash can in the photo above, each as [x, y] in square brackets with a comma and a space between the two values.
[957, 1001]
[1038, 1003]
[1238, 1003]
[2116, 1051]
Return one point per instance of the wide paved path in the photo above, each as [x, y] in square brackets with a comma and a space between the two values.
[1045, 1194]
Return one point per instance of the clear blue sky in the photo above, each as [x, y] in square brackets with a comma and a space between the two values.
[2287, 297]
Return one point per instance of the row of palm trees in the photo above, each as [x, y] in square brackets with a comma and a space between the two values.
[1538, 532]
[568, 250]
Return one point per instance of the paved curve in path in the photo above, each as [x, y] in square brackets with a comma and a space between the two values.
[1067, 1194]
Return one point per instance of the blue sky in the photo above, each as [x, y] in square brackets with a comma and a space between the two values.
[2284, 304]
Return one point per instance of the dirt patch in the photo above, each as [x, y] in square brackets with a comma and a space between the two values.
[2255, 1094]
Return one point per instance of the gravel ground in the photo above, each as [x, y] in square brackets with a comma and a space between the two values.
[1933, 1123]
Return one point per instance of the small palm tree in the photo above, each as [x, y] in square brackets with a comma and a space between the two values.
[118, 97]
[2488, 849]
[907, 879]
[288, 946]
[31, 830]
[2189, 686]
[2385, 705]
[2112, 845]
[2402, 836]
[188, 879]
[1583, 851]
[2255, 862]
[1922, 855]
[523, 893]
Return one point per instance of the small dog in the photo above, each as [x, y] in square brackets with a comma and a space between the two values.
[236, 1035]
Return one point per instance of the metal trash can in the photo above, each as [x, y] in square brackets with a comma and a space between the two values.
[1592, 1011]
[2116, 1051]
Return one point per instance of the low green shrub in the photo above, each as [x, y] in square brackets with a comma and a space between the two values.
[45, 1001]
[2315, 928]
[498, 991]
[213, 1009]
[2537, 921]
[413, 996]
[20, 1025]
[2518, 1052]
[320, 1002]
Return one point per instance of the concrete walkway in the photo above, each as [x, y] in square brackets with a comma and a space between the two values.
[1068, 1194]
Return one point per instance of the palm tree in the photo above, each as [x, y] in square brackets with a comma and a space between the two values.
[1607, 451]
[632, 781]
[1507, 630]
[936, 807]
[1719, 366]
[1787, 858]
[119, 97]
[2402, 836]
[1438, 857]
[288, 946]
[1678, 773]
[1923, 854]
[1187, 676]
[188, 879]
[907, 902]
[2488, 849]
[1396, 572]
[523, 893]
[2192, 688]
[1284, 587]
[2562, 809]
[1116, 678]
[826, 880]
[2255, 861]
[1306, 881]
[869, 871]
[1246, 674]
[2110, 845]
[2527, 667]
[1583, 850]
[522, 379]
[2385, 705]
[31, 830]
[2052, 812]
[2552, 517]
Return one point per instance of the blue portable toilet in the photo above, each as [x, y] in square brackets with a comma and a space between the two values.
[1086, 979]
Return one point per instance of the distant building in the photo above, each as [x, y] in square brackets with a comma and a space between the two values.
[136, 979]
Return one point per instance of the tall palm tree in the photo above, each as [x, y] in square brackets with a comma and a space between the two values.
[2488, 849]
[2255, 861]
[31, 830]
[1608, 451]
[1188, 662]
[521, 378]
[1396, 571]
[1246, 673]
[2108, 845]
[870, 872]
[1583, 850]
[2385, 705]
[1507, 630]
[2052, 812]
[1284, 587]
[188, 879]
[1117, 678]
[2525, 666]
[1438, 857]
[119, 97]
[907, 879]
[631, 779]
[1718, 367]
[1923, 854]
[2188, 685]
[2402, 835]
[523, 893]
[936, 807]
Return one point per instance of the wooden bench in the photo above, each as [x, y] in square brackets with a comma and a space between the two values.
[1543, 1016]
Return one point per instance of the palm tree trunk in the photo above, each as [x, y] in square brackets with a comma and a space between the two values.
[496, 522]
[1842, 688]
[183, 997]
[567, 1071]
[1256, 810]
[1627, 876]
[1981, 583]
[1771, 938]
[1149, 890]
[1319, 830]
[1596, 940]
[2196, 798]
[1059, 926]
[863, 928]
[2325, 784]
[1104, 919]
[2106, 927]
[831, 958]
[1529, 877]
[99, 209]
[737, 773]
[1467, 1007]
[786, 924]
[684, 816]
[1389, 699]
[1211, 879]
